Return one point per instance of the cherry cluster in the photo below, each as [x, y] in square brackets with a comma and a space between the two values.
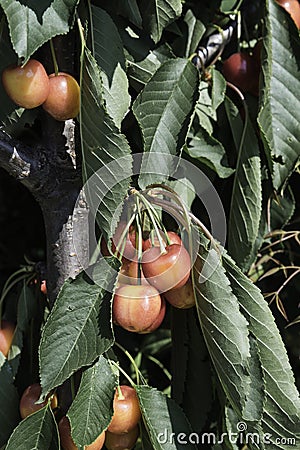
[160, 273]
[122, 432]
[29, 86]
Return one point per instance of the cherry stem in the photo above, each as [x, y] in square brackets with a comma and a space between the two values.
[120, 393]
[55, 65]
[96, 252]
[137, 372]
[139, 243]
[123, 236]
[160, 365]
[177, 212]
[154, 219]
[112, 362]
[239, 30]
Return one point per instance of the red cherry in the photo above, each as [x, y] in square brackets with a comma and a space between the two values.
[158, 321]
[182, 298]
[136, 307]
[6, 336]
[121, 441]
[43, 287]
[241, 70]
[27, 86]
[127, 411]
[63, 100]
[293, 8]
[29, 398]
[67, 441]
[169, 270]
[129, 249]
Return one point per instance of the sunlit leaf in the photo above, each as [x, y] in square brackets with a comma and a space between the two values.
[91, 410]
[32, 26]
[79, 327]
[279, 114]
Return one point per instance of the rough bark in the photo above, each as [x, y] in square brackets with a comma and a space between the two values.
[51, 170]
[52, 177]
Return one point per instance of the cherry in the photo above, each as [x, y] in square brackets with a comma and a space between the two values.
[29, 398]
[293, 8]
[242, 70]
[137, 308]
[121, 441]
[129, 251]
[127, 411]
[63, 100]
[43, 287]
[67, 441]
[169, 270]
[157, 322]
[28, 85]
[6, 336]
[182, 298]
[173, 237]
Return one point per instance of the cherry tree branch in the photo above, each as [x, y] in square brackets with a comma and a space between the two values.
[20, 161]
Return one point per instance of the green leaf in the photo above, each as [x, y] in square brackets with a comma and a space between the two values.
[204, 108]
[7, 57]
[162, 416]
[231, 420]
[254, 407]
[246, 197]
[79, 325]
[37, 431]
[157, 14]
[203, 145]
[106, 154]
[282, 209]
[9, 401]
[281, 409]
[279, 114]
[163, 111]
[209, 151]
[27, 307]
[228, 5]
[130, 10]
[91, 410]
[185, 189]
[110, 58]
[32, 26]
[192, 384]
[195, 32]
[218, 89]
[140, 71]
[224, 327]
